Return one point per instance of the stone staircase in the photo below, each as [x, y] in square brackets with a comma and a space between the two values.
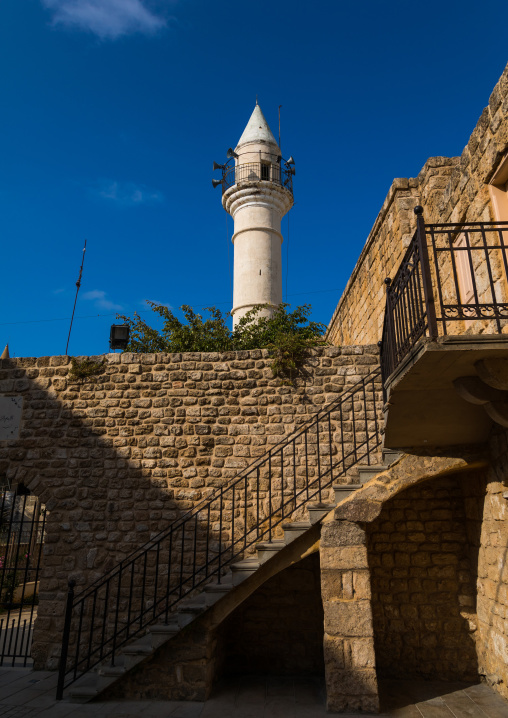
[90, 685]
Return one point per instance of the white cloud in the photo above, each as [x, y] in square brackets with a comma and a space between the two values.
[108, 19]
[127, 193]
[99, 298]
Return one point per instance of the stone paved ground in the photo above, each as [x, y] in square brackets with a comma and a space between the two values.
[25, 693]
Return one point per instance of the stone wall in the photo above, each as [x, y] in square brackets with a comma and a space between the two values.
[450, 190]
[493, 569]
[119, 457]
[423, 584]
[279, 629]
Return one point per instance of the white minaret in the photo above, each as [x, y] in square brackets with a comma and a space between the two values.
[257, 193]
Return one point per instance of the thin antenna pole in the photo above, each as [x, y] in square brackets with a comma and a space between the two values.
[279, 126]
[78, 285]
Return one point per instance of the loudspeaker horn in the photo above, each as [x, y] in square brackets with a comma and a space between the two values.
[216, 183]
[290, 161]
[231, 153]
[217, 166]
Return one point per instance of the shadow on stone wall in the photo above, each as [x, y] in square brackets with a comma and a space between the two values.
[423, 557]
[278, 630]
[119, 459]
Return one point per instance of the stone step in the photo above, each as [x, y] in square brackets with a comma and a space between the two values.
[161, 632]
[213, 592]
[390, 455]
[225, 585]
[341, 491]
[141, 647]
[293, 530]
[138, 651]
[267, 549]
[109, 674]
[115, 671]
[243, 569]
[317, 510]
[84, 689]
[368, 472]
[194, 609]
[184, 617]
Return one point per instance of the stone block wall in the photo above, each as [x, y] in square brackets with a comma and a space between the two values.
[118, 458]
[492, 610]
[450, 190]
[423, 584]
[279, 629]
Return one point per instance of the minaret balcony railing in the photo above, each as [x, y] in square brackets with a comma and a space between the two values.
[257, 172]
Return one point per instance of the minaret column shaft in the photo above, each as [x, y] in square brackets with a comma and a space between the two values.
[258, 267]
[257, 212]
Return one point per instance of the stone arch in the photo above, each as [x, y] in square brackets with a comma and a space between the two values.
[346, 573]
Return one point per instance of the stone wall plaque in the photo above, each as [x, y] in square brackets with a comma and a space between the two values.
[10, 416]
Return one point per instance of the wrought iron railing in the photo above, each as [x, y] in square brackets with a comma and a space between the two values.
[22, 529]
[255, 172]
[147, 585]
[452, 279]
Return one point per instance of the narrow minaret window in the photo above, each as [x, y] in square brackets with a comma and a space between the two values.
[257, 193]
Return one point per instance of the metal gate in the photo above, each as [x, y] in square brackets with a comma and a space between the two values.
[22, 525]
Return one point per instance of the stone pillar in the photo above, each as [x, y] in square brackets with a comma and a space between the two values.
[350, 668]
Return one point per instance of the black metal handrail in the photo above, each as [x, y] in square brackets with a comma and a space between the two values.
[256, 172]
[451, 272]
[201, 544]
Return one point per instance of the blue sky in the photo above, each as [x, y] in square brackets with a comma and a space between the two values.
[112, 112]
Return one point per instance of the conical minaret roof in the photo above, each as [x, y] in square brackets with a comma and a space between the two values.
[257, 130]
[5, 354]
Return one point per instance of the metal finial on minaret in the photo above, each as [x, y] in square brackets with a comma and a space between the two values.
[257, 191]
[257, 103]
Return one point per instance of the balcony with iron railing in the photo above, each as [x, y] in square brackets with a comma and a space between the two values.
[446, 310]
[249, 172]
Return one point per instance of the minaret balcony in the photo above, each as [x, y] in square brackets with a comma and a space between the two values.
[249, 172]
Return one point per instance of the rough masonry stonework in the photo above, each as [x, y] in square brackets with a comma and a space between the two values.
[119, 457]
